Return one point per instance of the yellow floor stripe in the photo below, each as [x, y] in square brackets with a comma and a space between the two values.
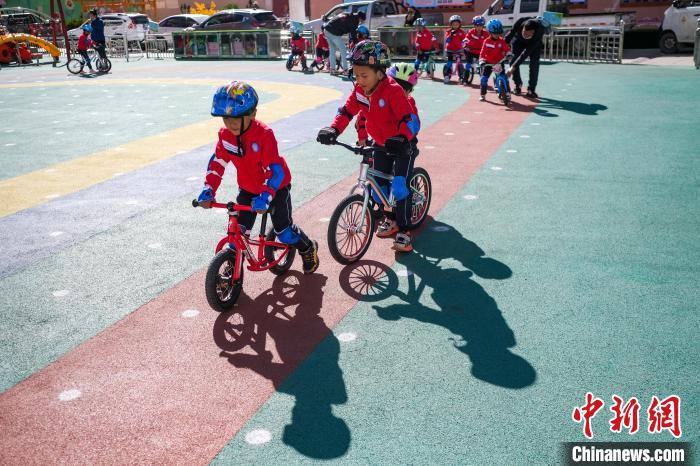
[30, 189]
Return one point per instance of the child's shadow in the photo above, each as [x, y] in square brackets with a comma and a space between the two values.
[289, 314]
[546, 105]
[465, 308]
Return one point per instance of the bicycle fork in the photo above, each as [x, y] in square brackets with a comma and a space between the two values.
[364, 183]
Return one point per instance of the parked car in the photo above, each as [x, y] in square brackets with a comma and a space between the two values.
[382, 13]
[679, 25]
[240, 19]
[177, 23]
[133, 25]
[24, 21]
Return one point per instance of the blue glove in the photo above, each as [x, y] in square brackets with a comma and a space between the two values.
[206, 195]
[261, 203]
[399, 188]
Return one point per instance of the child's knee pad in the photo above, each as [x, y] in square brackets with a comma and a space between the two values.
[375, 195]
[289, 235]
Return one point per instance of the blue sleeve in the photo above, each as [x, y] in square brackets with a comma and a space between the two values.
[277, 176]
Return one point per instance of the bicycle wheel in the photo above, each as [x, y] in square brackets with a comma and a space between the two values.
[431, 70]
[75, 66]
[103, 65]
[272, 253]
[422, 192]
[470, 74]
[345, 243]
[221, 290]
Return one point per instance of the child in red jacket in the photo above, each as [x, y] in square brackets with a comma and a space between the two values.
[425, 43]
[454, 37]
[322, 49]
[298, 45]
[264, 180]
[494, 51]
[84, 44]
[475, 39]
[393, 125]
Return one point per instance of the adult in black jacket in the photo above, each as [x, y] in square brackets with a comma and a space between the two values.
[411, 16]
[336, 28]
[526, 41]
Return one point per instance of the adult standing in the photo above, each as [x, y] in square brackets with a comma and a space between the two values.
[411, 16]
[526, 41]
[98, 33]
[336, 28]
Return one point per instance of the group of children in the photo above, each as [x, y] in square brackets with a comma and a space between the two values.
[483, 43]
[380, 99]
[298, 46]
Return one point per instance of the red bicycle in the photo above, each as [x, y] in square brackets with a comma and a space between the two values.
[224, 280]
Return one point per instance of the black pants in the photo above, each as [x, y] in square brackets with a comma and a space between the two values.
[397, 166]
[86, 57]
[280, 213]
[100, 47]
[534, 66]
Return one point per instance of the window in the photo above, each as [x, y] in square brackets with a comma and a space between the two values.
[265, 17]
[140, 19]
[529, 6]
[501, 7]
[190, 22]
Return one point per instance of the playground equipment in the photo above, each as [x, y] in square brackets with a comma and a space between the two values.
[12, 48]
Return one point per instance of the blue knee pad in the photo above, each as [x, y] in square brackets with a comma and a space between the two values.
[416, 64]
[484, 80]
[289, 235]
[447, 68]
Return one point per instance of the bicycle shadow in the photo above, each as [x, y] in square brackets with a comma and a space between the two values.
[546, 106]
[303, 369]
[465, 308]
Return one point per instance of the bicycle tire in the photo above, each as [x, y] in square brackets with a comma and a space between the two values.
[214, 281]
[420, 178]
[470, 75]
[75, 66]
[357, 201]
[269, 251]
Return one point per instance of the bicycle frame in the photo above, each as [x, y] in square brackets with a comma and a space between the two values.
[241, 242]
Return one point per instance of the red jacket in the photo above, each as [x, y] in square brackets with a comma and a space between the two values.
[475, 41]
[84, 42]
[493, 51]
[388, 112]
[298, 44]
[321, 41]
[454, 39]
[251, 153]
[426, 41]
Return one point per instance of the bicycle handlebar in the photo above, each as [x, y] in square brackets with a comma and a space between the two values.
[359, 150]
[227, 206]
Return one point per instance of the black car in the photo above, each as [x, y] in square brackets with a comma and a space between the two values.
[21, 21]
[240, 20]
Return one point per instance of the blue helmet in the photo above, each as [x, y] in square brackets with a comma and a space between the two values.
[478, 21]
[87, 27]
[495, 26]
[362, 29]
[420, 22]
[236, 99]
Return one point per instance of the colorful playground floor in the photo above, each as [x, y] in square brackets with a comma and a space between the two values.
[560, 257]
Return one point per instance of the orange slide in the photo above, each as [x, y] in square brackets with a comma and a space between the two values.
[8, 44]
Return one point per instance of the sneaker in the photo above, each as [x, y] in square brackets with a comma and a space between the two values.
[531, 94]
[387, 228]
[402, 242]
[310, 258]
[517, 90]
[482, 98]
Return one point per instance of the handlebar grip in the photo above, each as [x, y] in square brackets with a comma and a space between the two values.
[195, 203]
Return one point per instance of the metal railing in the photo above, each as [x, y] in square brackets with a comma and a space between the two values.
[593, 44]
[696, 53]
[158, 47]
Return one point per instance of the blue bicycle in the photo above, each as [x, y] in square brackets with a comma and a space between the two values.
[500, 80]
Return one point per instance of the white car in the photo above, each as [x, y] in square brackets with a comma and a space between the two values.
[679, 25]
[133, 25]
[177, 23]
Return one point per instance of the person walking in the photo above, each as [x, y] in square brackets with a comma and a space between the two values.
[344, 23]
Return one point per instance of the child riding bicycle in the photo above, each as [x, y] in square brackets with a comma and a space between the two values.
[493, 52]
[475, 40]
[453, 46]
[425, 43]
[263, 177]
[392, 122]
[84, 44]
[298, 45]
[322, 49]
